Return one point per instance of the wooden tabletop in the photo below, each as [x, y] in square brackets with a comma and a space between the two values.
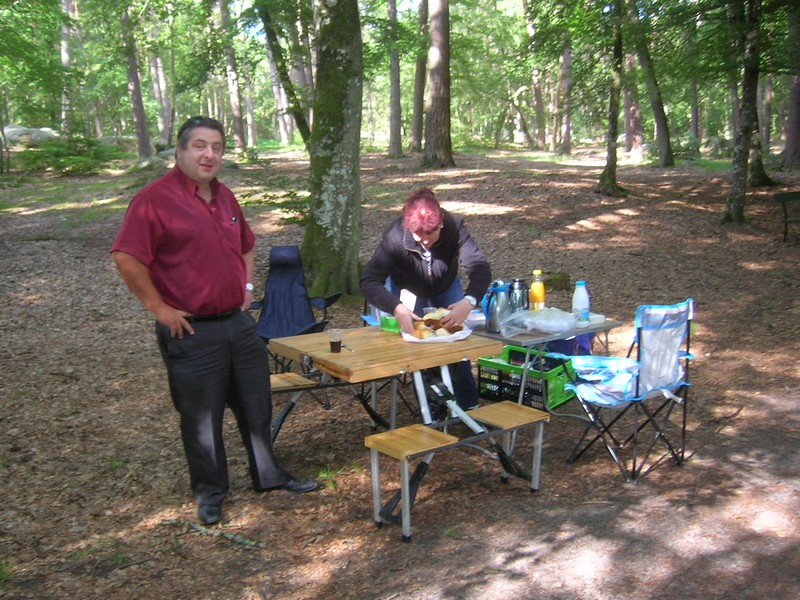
[368, 353]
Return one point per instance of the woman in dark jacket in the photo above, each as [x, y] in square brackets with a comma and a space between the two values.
[421, 252]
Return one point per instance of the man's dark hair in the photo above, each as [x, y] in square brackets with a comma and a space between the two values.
[185, 132]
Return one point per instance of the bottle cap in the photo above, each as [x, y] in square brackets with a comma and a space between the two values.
[537, 272]
[580, 283]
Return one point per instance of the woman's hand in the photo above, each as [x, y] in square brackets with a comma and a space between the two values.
[458, 313]
[405, 318]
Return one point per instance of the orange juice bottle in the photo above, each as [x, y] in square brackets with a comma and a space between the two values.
[536, 293]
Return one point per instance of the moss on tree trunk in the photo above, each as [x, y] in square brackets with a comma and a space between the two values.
[333, 237]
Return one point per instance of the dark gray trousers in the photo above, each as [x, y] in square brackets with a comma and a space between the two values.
[224, 362]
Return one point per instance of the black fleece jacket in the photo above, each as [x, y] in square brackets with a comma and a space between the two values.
[400, 257]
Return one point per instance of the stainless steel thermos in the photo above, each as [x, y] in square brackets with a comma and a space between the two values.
[518, 298]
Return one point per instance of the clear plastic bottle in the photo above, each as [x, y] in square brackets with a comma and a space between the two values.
[580, 303]
[536, 293]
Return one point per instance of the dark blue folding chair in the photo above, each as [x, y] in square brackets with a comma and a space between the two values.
[286, 308]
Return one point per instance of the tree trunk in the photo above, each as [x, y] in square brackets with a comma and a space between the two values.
[523, 123]
[500, 126]
[395, 116]
[736, 109]
[695, 110]
[633, 111]
[791, 150]
[540, 123]
[333, 235]
[665, 156]
[282, 117]
[555, 105]
[5, 153]
[232, 78]
[135, 88]
[159, 84]
[250, 109]
[758, 174]
[420, 73]
[608, 178]
[538, 107]
[67, 121]
[566, 126]
[735, 203]
[294, 107]
[438, 145]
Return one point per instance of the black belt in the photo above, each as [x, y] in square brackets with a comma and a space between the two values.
[217, 317]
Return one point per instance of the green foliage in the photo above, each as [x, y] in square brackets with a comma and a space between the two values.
[6, 571]
[30, 70]
[69, 157]
[286, 196]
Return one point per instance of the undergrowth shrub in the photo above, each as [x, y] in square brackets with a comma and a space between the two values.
[77, 156]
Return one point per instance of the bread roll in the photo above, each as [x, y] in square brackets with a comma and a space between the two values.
[436, 315]
[423, 333]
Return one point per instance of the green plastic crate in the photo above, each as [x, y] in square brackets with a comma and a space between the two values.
[499, 379]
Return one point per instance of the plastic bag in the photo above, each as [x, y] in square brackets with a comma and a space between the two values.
[548, 320]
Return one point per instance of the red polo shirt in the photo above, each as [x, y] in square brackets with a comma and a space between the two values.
[192, 248]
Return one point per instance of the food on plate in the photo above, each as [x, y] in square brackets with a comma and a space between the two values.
[436, 315]
[423, 333]
[431, 325]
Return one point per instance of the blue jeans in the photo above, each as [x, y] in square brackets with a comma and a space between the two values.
[464, 386]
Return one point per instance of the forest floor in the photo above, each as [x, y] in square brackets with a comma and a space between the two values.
[93, 483]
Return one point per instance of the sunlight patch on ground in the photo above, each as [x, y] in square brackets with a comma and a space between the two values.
[759, 266]
[629, 212]
[472, 208]
[774, 522]
[585, 224]
[63, 206]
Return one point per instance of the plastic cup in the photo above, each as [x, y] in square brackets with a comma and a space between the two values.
[335, 337]
[428, 309]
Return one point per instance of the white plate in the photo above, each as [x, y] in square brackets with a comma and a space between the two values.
[453, 337]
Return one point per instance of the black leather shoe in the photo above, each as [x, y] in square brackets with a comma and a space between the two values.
[299, 486]
[209, 513]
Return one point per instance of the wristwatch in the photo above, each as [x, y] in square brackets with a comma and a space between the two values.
[248, 287]
[471, 299]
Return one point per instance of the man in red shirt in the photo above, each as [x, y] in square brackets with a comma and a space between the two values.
[186, 252]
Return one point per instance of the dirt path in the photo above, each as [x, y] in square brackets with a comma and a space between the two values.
[94, 489]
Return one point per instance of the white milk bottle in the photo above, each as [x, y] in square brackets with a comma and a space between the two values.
[580, 303]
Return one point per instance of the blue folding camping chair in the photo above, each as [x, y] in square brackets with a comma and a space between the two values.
[286, 308]
[629, 402]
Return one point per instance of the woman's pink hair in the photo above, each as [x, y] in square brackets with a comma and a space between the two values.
[422, 213]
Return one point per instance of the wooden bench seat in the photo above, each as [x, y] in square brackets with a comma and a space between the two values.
[289, 382]
[791, 210]
[501, 419]
[284, 383]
